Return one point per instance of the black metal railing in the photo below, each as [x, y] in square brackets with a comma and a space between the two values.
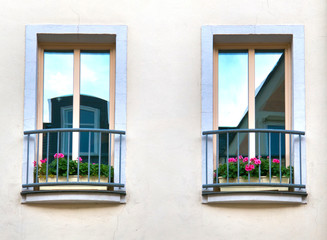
[275, 164]
[73, 156]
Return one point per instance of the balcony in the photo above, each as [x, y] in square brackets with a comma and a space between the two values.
[74, 165]
[253, 166]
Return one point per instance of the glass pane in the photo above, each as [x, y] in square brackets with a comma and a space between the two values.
[233, 101]
[94, 101]
[270, 100]
[57, 98]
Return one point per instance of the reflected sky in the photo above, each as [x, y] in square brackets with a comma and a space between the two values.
[233, 83]
[58, 76]
[264, 64]
[232, 87]
[95, 74]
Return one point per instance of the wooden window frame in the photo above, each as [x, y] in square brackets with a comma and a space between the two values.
[251, 87]
[76, 48]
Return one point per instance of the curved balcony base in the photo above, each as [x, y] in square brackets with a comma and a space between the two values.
[73, 196]
[255, 197]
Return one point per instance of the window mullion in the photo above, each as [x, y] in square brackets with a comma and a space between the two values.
[76, 103]
[251, 97]
[288, 103]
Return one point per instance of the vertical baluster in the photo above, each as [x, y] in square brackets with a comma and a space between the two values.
[291, 180]
[217, 157]
[28, 157]
[57, 172]
[269, 144]
[249, 157]
[109, 161]
[89, 159]
[78, 153]
[238, 159]
[280, 157]
[259, 152]
[37, 159]
[120, 136]
[206, 159]
[99, 164]
[300, 155]
[227, 156]
[68, 139]
[47, 162]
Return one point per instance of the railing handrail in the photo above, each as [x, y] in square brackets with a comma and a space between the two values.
[74, 130]
[253, 184]
[253, 130]
[74, 183]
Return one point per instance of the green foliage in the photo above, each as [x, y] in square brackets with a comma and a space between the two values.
[73, 168]
[233, 169]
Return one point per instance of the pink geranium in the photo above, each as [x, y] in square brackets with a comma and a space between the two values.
[249, 167]
[245, 159]
[34, 163]
[232, 160]
[275, 160]
[240, 157]
[43, 160]
[80, 159]
[256, 161]
[59, 155]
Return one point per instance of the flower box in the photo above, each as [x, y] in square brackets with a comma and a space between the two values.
[264, 179]
[253, 167]
[73, 178]
[58, 166]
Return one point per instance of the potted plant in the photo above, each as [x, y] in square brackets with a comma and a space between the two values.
[73, 171]
[250, 170]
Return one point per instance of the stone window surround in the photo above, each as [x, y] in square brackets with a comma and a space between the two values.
[246, 34]
[115, 33]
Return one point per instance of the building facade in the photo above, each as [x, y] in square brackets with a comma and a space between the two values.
[157, 98]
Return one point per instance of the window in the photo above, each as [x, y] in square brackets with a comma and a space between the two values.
[252, 90]
[252, 101]
[75, 77]
[76, 90]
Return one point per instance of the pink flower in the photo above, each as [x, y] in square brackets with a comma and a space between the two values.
[59, 155]
[245, 159]
[80, 159]
[249, 168]
[267, 157]
[257, 161]
[34, 163]
[43, 160]
[232, 160]
[275, 160]
[93, 163]
[240, 157]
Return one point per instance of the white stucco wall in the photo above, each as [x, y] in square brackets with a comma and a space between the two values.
[163, 141]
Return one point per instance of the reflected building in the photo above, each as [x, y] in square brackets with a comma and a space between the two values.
[94, 113]
[269, 114]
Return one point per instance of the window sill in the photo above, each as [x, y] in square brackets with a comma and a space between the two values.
[254, 197]
[73, 196]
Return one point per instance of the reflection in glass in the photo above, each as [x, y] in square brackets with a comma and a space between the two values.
[232, 100]
[57, 97]
[94, 101]
[58, 82]
[270, 100]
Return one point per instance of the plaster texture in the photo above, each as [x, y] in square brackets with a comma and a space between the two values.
[163, 123]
